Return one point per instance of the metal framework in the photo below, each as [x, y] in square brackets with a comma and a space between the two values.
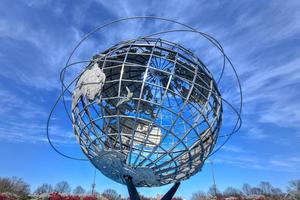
[159, 110]
[147, 111]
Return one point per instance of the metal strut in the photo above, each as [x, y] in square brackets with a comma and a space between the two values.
[169, 195]
[133, 194]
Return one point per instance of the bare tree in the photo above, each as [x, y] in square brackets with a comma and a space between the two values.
[5, 185]
[276, 191]
[277, 194]
[62, 187]
[45, 188]
[246, 188]
[214, 191]
[294, 189]
[232, 192]
[266, 187]
[111, 194]
[256, 191]
[16, 186]
[199, 196]
[79, 190]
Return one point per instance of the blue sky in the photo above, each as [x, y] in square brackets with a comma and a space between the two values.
[262, 38]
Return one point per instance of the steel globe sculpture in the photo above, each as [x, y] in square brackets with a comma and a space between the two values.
[147, 108]
[147, 112]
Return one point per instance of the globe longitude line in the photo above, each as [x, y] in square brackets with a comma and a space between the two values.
[138, 105]
[105, 124]
[86, 109]
[91, 121]
[178, 156]
[200, 116]
[177, 117]
[83, 131]
[119, 91]
[102, 129]
[119, 46]
[160, 106]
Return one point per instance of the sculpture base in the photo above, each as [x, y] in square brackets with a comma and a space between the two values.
[112, 164]
[133, 194]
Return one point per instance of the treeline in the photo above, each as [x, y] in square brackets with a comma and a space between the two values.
[17, 188]
[262, 191]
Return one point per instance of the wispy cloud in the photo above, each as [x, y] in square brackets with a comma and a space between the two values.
[232, 148]
[34, 133]
[256, 134]
[241, 161]
[39, 50]
[290, 163]
[262, 39]
[25, 121]
[251, 161]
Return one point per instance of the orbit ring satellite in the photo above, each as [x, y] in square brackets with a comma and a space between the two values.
[147, 111]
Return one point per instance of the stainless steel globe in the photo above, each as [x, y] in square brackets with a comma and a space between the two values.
[149, 109]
